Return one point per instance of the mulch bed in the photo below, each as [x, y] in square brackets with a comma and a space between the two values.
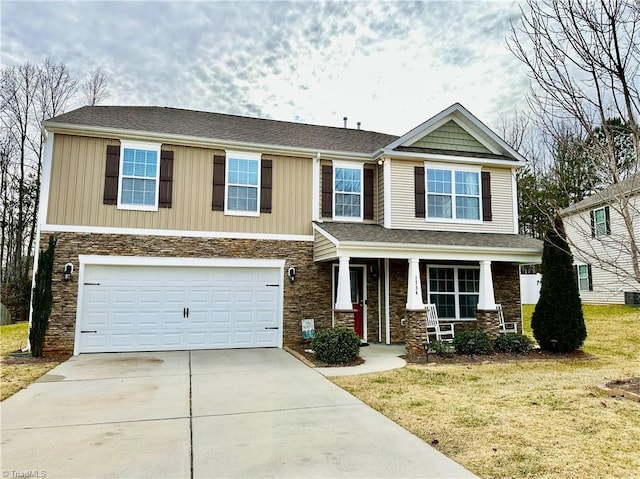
[629, 384]
[19, 357]
[533, 355]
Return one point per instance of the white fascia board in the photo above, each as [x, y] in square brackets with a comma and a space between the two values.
[186, 140]
[437, 252]
[331, 238]
[406, 155]
[174, 233]
[87, 259]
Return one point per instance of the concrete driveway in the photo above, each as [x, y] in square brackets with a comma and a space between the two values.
[203, 414]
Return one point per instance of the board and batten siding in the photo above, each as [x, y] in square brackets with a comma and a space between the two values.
[451, 136]
[77, 184]
[608, 287]
[403, 205]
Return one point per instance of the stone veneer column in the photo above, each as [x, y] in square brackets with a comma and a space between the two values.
[345, 319]
[489, 322]
[416, 332]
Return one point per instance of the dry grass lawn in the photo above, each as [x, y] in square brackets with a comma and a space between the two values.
[530, 419]
[18, 373]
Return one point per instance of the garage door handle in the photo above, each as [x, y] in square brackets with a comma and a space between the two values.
[83, 331]
[272, 327]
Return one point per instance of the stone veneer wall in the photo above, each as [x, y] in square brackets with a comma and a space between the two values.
[398, 269]
[506, 287]
[307, 297]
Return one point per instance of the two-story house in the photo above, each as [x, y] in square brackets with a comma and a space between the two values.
[191, 230]
[601, 246]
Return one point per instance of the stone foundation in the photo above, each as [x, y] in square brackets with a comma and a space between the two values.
[416, 331]
[344, 319]
[489, 322]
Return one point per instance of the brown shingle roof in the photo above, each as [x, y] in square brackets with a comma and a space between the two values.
[371, 233]
[221, 127]
[627, 187]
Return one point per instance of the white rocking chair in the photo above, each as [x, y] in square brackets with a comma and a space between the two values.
[509, 327]
[441, 331]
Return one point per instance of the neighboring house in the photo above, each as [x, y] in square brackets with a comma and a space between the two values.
[191, 230]
[600, 243]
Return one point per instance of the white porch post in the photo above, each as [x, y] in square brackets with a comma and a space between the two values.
[414, 286]
[487, 299]
[343, 297]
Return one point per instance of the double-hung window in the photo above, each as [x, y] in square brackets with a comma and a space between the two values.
[243, 184]
[584, 277]
[600, 222]
[453, 194]
[347, 191]
[454, 291]
[139, 180]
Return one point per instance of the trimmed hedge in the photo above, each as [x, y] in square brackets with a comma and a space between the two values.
[472, 342]
[513, 343]
[336, 345]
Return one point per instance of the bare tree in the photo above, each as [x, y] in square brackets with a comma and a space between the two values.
[95, 88]
[584, 62]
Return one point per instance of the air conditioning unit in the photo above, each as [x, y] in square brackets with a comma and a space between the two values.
[632, 298]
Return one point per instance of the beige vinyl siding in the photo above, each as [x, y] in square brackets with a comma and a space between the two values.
[403, 206]
[323, 249]
[77, 184]
[451, 136]
[380, 193]
[603, 252]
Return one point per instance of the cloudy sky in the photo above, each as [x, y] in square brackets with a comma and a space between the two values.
[390, 65]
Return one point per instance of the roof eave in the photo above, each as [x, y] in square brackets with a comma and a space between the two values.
[187, 140]
[449, 158]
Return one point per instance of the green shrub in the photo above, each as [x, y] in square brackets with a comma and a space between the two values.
[336, 345]
[472, 342]
[513, 343]
[442, 348]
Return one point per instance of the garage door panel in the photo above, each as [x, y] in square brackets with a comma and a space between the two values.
[143, 308]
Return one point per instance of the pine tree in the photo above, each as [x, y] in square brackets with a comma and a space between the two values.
[557, 321]
[42, 299]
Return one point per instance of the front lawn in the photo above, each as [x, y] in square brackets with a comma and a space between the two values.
[18, 371]
[527, 419]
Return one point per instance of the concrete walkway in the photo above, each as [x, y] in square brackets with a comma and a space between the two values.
[203, 414]
[377, 357]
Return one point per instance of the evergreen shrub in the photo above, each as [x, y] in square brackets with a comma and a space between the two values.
[336, 345]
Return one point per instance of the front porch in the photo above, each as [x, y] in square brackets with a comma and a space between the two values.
[380, 288]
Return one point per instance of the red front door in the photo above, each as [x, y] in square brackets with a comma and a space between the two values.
[357, 299]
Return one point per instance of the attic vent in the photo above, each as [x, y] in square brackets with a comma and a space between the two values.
[345, 121]
[632, 298]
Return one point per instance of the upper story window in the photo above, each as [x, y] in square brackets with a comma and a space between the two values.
[453, 194]
[139, 180]
[243, 184]
[347, 191]
[600, 222]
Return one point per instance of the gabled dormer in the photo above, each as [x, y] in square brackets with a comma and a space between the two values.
[450, 173]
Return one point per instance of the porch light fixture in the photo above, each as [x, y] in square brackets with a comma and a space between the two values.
[68, 271]
[291, 272]
[381, 161]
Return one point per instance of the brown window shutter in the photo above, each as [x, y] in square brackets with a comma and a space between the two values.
[368, 194]
[592, 215]
[590, 277]
[418, 179]
[165, 195]
[217, 202]
[327, 191]
[112, 169]
[266, 180]
[607, 219]
[486, 196]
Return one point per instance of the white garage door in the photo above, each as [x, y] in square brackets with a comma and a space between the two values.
[149, 308]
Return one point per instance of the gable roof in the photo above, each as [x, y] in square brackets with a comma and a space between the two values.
[495, 146]
[219, 128]
[628, 187]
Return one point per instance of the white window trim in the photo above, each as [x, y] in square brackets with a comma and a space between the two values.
[241, 155]
[585, 277]
[350, 166]
[456, 287]
[446, 166]
[138, 145]
[604, 223]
